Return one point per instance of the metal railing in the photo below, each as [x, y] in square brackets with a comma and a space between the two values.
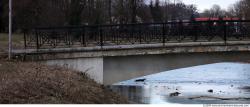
[144, 33]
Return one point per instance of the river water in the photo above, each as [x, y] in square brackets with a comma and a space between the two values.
[220, 83]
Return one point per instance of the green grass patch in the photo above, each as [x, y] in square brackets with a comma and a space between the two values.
[17, 41]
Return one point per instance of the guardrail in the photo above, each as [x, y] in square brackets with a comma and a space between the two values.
[143, 33]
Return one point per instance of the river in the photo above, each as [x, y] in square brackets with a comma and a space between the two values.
[219, 83]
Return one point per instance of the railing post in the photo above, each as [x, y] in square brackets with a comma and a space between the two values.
[225, 32]
[67, 37]
[83, 36]
[101, 36]
[117, 33]
[163, 34]
[56, 37]
[140, 33]
[180, 29]
[37, 39]
[25, 39]
[195, 31]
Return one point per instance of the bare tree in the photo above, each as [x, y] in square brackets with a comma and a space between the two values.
[31, 13]
[110, 11]
[215, 11]
[1, 15]
[246, 8]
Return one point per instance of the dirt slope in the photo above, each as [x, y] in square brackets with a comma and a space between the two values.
[33, 83]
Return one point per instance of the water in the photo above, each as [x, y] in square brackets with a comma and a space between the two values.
[220, 83]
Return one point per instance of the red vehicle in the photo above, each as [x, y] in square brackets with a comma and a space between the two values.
[215, 19]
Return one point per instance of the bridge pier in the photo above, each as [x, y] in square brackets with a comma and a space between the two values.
[93, 67]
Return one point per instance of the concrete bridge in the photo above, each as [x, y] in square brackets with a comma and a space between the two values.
[114, 53]
[111, 64]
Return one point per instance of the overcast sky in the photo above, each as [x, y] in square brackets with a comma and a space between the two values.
[206, 4]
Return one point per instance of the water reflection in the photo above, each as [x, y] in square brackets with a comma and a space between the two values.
[221, 83]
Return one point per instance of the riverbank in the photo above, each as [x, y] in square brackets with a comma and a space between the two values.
[34, 83]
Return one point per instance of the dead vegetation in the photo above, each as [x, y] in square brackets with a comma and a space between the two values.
[33, 83]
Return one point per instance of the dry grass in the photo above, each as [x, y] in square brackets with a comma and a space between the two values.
[33, 83]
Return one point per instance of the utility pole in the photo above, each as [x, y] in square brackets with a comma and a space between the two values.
[10, 29]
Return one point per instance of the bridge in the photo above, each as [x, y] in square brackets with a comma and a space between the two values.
[113, 53]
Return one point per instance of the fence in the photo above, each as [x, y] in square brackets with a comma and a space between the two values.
[143, 33]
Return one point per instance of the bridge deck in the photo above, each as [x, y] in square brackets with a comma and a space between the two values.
[139, 49]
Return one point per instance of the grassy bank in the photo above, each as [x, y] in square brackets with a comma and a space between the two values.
[34, 83]
[17, 41]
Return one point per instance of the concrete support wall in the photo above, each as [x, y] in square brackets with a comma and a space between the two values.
[92, 66]
[109, 70]
[120, 68]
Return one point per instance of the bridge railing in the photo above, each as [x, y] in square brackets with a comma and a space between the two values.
[143, 33]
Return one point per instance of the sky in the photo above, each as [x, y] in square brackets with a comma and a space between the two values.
[207, 4]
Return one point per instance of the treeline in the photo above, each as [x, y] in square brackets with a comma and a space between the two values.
[32, 13]
[240, 9]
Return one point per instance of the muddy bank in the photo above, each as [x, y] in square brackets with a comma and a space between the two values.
[33, 83]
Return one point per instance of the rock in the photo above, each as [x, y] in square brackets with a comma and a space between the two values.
[140, 80]
[211, 91]
[174, 94]
[247, 88]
